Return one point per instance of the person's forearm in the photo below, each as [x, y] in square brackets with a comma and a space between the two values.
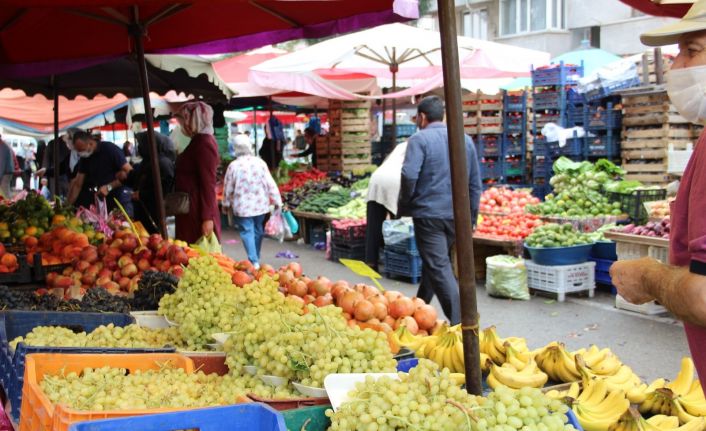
[681, 292]
[73, 193]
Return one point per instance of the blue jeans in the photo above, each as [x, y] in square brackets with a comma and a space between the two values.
[251, 232]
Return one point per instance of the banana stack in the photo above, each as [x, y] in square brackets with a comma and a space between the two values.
[494, 346]
[683, 397]
[445, 347]
[519, 371]
[557, 363]
[572, 392]
[632, 420]
[621, 377]
[596, 408]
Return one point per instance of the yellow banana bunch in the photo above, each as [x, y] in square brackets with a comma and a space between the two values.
[494, 346]
[685, 378]
[572, 392]
[507, 375]
[602, 362]
[664, 422]
[693, 401]
[403, 337]
[557, 363]
[597, 409]
[446, 350]
[633, 421]
[624, 379]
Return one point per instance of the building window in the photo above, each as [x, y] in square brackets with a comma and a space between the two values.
[475, 24]
[523, 16]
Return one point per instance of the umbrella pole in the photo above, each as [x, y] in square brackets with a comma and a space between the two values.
[55, 154]
[461, 198]
[254, 126]
[138, 35]
[394, 68]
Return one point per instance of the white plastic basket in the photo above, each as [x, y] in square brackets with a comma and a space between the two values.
[659, 253]
[629, 251]
[562, 279]
[650, 308]
[678, 159]
[149, 319]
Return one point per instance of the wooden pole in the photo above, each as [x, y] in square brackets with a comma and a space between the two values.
[55, 154]
[659, 67]
[137, 31]
[461, 198]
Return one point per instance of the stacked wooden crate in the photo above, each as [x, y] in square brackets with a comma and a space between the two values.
[646, 67]
[651, 125]
[483, 114]
[348, 147]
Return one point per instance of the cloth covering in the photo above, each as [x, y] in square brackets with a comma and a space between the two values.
[195, 118]
[384, 187]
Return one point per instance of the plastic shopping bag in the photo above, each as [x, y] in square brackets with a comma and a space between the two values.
[506, 277]
[291, 222]
[275, 226]
[208, 244]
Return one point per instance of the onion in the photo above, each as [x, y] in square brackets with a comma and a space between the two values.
[401, 307]
[391, 295]
[408, 322]
[347, 302]
[338, 286]
[425, 316]
[323, 300]
[380, 310]
[298, 288]
[364, 310]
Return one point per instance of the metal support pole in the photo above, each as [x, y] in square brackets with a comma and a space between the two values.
[461, 198]
[55, 154]
[394, 68]
[137, 32]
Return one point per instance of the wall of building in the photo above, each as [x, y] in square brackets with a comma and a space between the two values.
[622, 38]
[553, 42]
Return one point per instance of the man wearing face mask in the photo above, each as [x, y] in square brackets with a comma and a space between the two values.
[101, 168]
[425, 195]
[681, 286]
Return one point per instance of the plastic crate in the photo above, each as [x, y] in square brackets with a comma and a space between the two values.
[38, 413]
[22, 275]
[490, 170]
[607, 146]
[650, 308]
[402, 265]
[604, 250]
[609, 88]
[601, 118]
[574, 97]
[515, 102]
[308, 419]
[39, 271]
[633, 204]
[514, 168]
[629, 251]
[547, 100]
[558, 74]
[573, 147]
[208, 362]
[542, 167]
[553, 256]
[514, 123]
[349, 235]
[541, 190]
[514, 145]
[15, 324]
[489, 145]
[659, 253]
[317, 234]
[407, 364]
[339, 251]
[542, 119]
[603, 271]
[241, 417]
[574, 116]
[562, 279]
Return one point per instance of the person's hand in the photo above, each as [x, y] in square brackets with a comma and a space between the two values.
[627, 279]
[207, 228]
[41, 172]
[103, 191]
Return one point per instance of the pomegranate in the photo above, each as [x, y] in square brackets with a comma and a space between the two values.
[401, 307]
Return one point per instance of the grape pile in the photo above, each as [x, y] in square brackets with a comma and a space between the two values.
[205, 302]
[95, 300]
[109, 388]
[111, 336]
[307, 347]
[153, 285]
[427, 399]
[98, 299]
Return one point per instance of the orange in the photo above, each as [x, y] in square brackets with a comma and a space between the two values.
[31, 230]
[9, 260]
[80, 240]
[58, 219]
[31, 242]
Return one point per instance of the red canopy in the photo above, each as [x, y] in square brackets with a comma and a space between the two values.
[676, 10]
[284, 117]
[44, 34]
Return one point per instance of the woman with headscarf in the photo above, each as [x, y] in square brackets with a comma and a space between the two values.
[249, 191]
[141, 178]
[196, 174]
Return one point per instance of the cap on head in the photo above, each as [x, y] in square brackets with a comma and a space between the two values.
[693, 21]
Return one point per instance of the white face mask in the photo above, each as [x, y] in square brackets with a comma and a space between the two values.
[85, 154]
[687, 91]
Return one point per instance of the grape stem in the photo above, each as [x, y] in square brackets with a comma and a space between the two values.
[404, 421]
[468, 414]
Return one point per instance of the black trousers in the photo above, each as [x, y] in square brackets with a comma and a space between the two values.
[376, 214]
[435, 240]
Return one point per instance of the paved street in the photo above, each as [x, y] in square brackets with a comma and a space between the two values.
[652, 346]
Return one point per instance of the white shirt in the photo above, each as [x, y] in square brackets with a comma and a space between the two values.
[384, 185]
[249, 189]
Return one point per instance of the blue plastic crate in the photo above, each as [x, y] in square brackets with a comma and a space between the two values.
[573, 147]
[239, 417]
[403, 130]
[407, 364]
[490, 170]
[606, 250]
[14, 324]
[558, 74]
[489, 145]
[515, 102]
[541, 190]
[514, 123]
[603, 118]
[603, 271]
[547, 100]
[607, 89]
[514, 145]
[574, 97]
[543, 118]
[603, 146]
[402, 265]
[575, 115]
[514, 168]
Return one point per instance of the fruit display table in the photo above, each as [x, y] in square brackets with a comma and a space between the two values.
[586, 224]
[308, 220]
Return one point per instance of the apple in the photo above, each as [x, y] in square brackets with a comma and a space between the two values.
[63, 282]
[117, 243]
[112, 254]
[143, 253]
[154, 242]
[129, 244]
[129, 270]
[88, 279]
[89, 254]
[116, 275]
[103, 281]
[67, 271]
[134, 284]
[102, 248]
[82, 266]
[76, 275]
[125, 260]
[112, 265]
[164, 266]
[112, 287]
[176, 270]
[268, 269]
[92, 270]
[162, 250]
[143, 265]
[124, 282]
[105, 272]
[296, 268]
[178, 256]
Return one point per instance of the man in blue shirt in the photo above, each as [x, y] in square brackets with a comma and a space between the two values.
[425, 195]
[102, 168]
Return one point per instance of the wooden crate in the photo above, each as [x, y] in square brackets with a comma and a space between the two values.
[479, 102]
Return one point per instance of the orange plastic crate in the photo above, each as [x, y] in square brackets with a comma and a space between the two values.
[39, 414]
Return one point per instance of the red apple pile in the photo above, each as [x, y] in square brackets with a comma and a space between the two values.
[117, 264]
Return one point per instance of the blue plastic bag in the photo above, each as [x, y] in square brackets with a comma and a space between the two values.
[291, 222]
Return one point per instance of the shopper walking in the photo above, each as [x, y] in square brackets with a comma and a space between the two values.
[7, 169]
[681, 286]
[425, 195]
[249, 192]
[195, 174]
